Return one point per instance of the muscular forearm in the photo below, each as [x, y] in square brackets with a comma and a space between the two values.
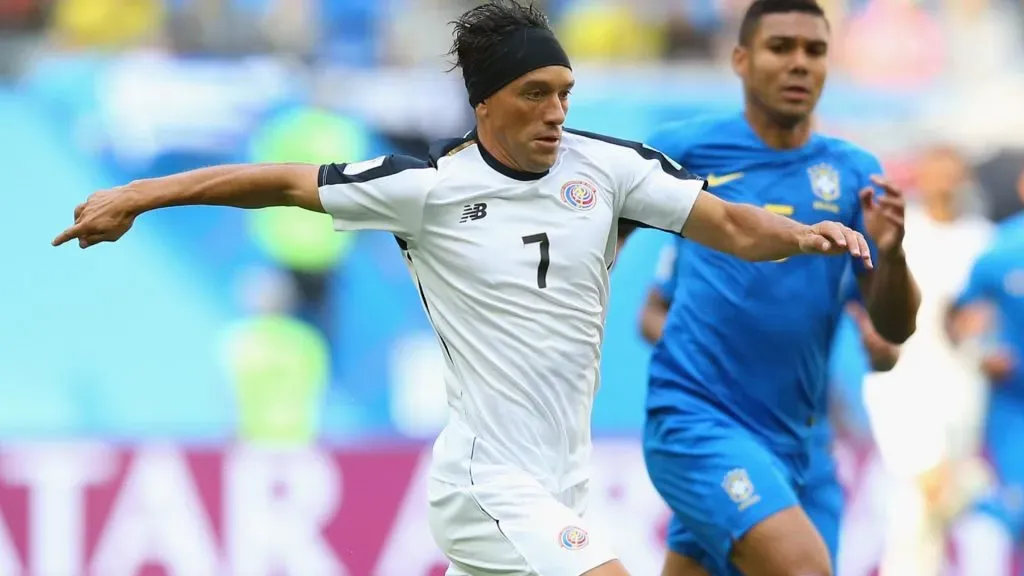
[894, 299]
[240, 186]
[759, 235]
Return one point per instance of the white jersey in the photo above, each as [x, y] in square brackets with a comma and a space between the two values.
[513, 271]
[941, 255]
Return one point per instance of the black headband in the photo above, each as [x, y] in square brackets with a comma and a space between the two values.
[520, 53]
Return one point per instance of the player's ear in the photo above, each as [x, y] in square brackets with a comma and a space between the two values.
[740, 60]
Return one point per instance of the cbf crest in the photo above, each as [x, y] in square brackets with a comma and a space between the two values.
[740, 489]
[825, 185]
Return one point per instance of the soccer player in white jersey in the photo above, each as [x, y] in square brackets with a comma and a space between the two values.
[510, 233]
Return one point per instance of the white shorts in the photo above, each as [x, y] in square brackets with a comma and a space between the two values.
[513, 526]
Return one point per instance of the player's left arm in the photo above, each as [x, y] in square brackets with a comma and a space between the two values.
[971, 317]
[891, 295]
[661, 194]
[882, 354]
[659, 297]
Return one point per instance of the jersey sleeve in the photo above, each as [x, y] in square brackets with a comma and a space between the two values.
[657, 192]
[981, 283]
[665, 273]
[387, 193]
[868, 166]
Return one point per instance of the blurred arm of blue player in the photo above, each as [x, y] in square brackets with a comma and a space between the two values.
[970, 321]
[659, 297]
[891, 295]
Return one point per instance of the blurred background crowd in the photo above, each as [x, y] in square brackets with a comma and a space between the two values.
[207, 326]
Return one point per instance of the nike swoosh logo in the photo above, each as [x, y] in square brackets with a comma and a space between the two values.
[720, 180]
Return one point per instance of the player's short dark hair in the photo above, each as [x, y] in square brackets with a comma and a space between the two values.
[760, 8]
[479, 31]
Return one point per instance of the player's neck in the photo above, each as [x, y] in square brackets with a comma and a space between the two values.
[493, 148]
[775, 135]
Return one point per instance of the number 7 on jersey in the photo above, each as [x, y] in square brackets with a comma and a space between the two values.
[545, 256]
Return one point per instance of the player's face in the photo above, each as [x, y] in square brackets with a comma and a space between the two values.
[785, 66]
[526, 116]
[940, 175]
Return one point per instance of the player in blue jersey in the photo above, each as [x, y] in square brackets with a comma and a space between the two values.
[825, 508]
[988, 319]
[737, 391]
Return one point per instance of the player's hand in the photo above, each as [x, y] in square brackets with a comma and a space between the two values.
[998, 365]
[832, 238]
[104, 217]
[884, 215]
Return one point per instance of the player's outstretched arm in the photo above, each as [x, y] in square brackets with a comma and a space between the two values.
[106, 215]
[755, 234]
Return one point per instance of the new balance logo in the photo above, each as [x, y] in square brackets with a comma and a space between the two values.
[473, 212]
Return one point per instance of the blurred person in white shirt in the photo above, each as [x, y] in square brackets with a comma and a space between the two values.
[926, 412]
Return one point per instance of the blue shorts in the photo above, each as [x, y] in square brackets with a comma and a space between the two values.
[720, 481]
[1004, 427]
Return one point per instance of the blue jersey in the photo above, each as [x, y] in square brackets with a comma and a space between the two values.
[998, 278]
[752, 340]
[848, 361]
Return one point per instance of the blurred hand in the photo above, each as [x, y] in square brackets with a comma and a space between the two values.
[934, 484]
[832, 238]
[104, 217]
[883, 354]
[998, 365]
[884, 215]
[971, 321]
